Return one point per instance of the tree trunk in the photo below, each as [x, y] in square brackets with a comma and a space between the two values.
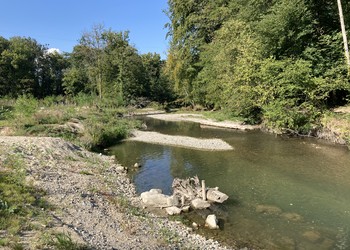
[345, 40]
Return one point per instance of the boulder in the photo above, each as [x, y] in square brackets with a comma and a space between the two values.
[185, 209]
[199, 204]
[173, 201]
[154, 199]
[211, 222]
[173, 210]
[137, 165]
[156, 191]
[216, 196]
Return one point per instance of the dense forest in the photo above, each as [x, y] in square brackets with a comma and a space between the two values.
[276, 62]
[279, 62]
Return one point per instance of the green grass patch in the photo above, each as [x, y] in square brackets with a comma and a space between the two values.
[100, 120]
[19, 202]
[63, 241]
[222, 116]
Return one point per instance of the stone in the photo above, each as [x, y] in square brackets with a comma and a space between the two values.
[173, 201]
[215, 195]
[199, 204]
[156, 191]
[195, 225]
[211, 222]
[154, 199]
[185, 209]
[119, 169]
[173, 210]
[136, 165]
[267, 209]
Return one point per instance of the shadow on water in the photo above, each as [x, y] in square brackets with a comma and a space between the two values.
[284, 193]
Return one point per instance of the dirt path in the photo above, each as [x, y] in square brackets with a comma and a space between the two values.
[94, 200]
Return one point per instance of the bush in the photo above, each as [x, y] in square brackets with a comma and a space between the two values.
[105, 131]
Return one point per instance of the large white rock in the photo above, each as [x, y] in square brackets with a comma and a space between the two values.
[173, 210]
[216, 196]
[173, 201]
[199, 204]
[211, 221]
[153, 198]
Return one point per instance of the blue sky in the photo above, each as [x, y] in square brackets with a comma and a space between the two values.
[60, 23]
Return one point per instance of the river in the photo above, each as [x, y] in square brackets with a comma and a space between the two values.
[285, 193]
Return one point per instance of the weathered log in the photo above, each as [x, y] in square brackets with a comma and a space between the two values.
[189, 189]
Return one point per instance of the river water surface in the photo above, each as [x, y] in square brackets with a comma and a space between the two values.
[285, 193]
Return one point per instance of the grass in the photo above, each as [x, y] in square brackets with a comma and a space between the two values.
[61, 241]
[97, 124]
[338, 123]
[221, 116]
[19, 202]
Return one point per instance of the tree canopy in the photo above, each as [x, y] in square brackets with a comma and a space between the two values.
[280, 62]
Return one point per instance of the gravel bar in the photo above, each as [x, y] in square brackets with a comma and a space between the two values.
[180, 141]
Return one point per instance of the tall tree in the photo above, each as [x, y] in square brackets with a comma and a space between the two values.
[19, 66]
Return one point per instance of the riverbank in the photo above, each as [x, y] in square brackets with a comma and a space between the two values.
[334, 127]
[91, 200]
[198, 118]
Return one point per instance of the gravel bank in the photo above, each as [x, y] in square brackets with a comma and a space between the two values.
[204, 121]
[93, 198]
[182, 141]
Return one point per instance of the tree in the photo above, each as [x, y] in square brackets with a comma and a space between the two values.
[192, 25]
[19, 66]
[158, 83]
[106, 64]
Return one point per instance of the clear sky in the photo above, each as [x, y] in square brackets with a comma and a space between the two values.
[60, 23]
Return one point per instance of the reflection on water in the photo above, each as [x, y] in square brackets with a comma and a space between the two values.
[284, 193]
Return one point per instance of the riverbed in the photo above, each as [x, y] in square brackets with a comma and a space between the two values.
[285, 193]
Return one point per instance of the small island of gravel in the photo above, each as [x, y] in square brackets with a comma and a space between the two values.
[180, 141]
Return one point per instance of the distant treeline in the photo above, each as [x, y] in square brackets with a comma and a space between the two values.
[102, 64]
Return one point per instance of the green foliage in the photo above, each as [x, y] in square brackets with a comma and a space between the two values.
[104, 131]
[105, 64]
[63, 241]
[27, 68]
[18, 201]
[278, 62]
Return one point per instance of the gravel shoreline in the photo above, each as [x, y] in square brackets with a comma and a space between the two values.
[198, 118]
[95, 202]
[183, 141]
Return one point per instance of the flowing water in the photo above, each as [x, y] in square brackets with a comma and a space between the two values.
[285, 193]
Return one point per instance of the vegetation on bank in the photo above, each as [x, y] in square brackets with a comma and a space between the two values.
[23, 208]
[280, 63]
[84, 120]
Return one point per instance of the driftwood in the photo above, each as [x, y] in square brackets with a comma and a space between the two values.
[190, 189]
[187, 189]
